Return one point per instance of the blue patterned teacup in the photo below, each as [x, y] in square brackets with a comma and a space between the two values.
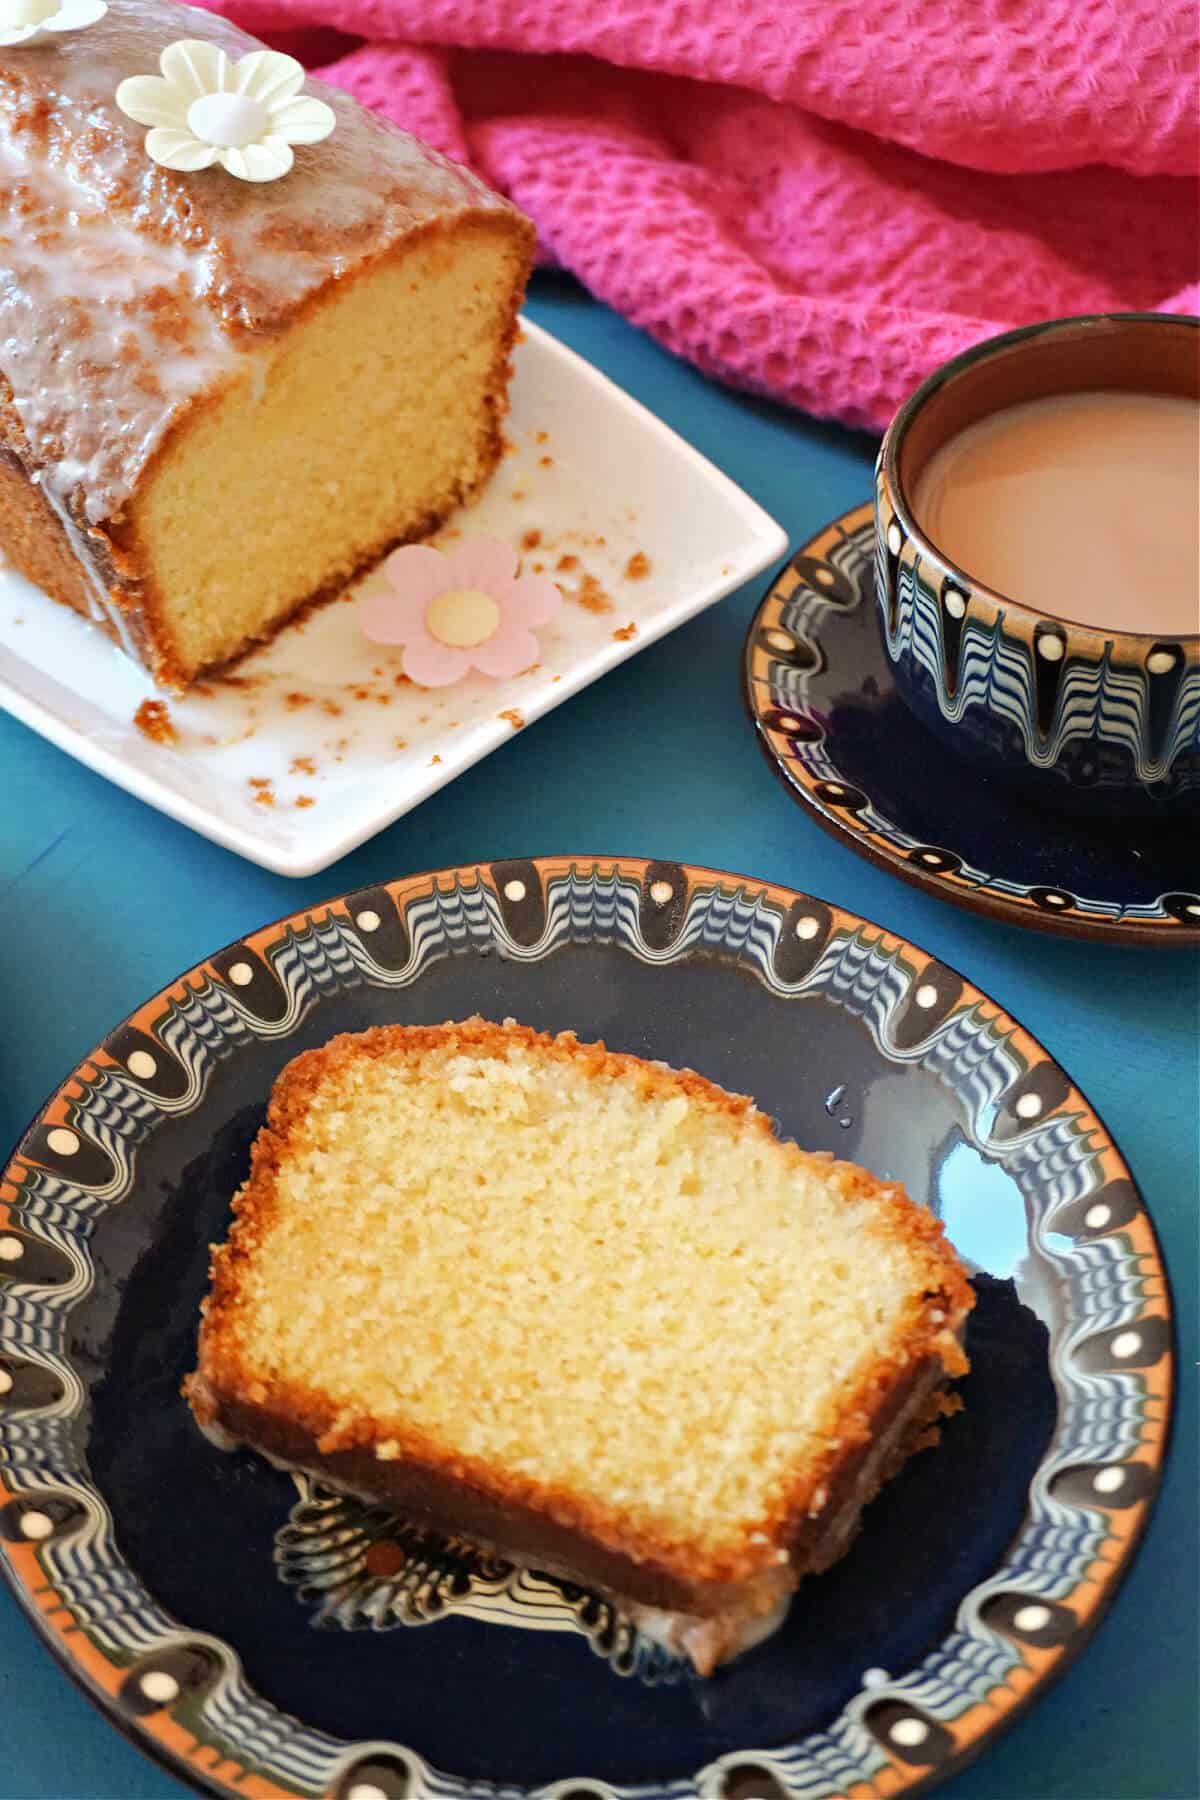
[1089, 718]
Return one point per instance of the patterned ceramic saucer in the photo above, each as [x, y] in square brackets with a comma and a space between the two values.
[828, 716]
[181, 1586]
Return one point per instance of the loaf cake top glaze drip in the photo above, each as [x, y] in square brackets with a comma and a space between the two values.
[126, 289]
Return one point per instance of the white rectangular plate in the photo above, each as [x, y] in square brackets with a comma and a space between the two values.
[312, 744]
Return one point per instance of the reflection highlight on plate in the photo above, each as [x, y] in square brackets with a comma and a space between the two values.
[983, 1209]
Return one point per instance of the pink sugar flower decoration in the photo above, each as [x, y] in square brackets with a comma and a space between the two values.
[459, 610]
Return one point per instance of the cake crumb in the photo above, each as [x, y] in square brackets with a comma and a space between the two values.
[638, 566]
[567, 562]
[531, 540]
[591, 596]
[259, 781]
[545, 462]
[539, 437]
[507, 447]
[383, 699]
[304, 800]
[332, 708]
[434, 759]
[513, 717]
[302, 765]
[402, 681]
[399, 743]
[264, 797]
[153, 719]
[539, 568]
[518, 493]
[294, 702]
[624, 634]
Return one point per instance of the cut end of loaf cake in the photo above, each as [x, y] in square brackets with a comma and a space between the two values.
[597, 1299]
[361, 428]
[221, 399]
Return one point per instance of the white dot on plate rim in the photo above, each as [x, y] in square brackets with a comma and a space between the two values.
[1028, 1106]
[1159, 662]
[62, 1141]
[142, 1064]
[11, 1249]
[956, 606]
[807, 927]
[780, 640]
[368, 920]
[908, 1732]
[514, 890]
[158, 1686]
[875, 1678]
[787, 723]
[6, 1382]
[1192, 908]
[36, 1525]
[926, 995]
[661, 892]
[1034, 1617]
[1126, 1343]
[1097, 1216]
[1107, 1481]
[366, 1790]
[824, 576]
[1050, 648]
[241, 974]
[894, 539]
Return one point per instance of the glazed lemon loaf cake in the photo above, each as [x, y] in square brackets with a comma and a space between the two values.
[222, 397]
[582, 1309]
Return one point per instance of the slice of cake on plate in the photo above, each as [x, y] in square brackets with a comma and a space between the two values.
[225, 389]
[584, 1310]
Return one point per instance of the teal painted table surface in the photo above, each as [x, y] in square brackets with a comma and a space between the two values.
[107, 901]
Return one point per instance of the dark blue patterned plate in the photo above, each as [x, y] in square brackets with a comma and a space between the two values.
[829, 717]
[267, 1639]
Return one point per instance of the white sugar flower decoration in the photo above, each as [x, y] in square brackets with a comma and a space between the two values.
[32, 21]
[245, 115]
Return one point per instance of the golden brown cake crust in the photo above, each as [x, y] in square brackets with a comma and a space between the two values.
[130, 294]
[868, 1434]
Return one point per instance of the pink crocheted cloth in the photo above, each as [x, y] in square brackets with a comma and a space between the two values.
[813, 199]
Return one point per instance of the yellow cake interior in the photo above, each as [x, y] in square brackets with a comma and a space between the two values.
[364, 423]
[606, 1283]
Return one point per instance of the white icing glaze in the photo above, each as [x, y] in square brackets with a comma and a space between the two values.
[100, 604]
[673, 1629]
[84, 346]
[127, 289]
